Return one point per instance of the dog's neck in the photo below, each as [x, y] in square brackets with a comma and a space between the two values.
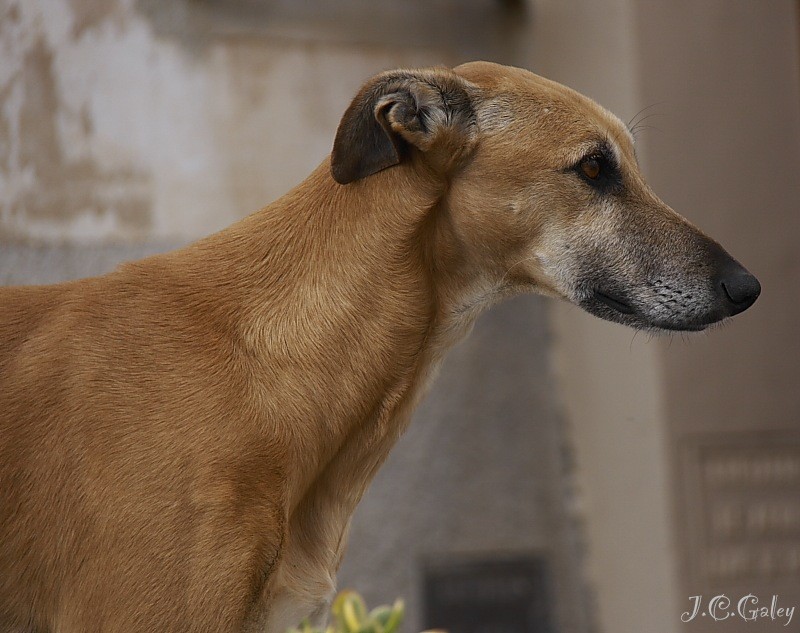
[380, 232]
[371, 272]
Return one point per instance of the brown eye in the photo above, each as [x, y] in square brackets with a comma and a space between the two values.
[591, 168]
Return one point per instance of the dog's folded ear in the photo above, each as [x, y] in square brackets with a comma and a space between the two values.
[399, 111]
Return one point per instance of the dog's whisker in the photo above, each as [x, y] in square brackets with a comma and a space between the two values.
[636, 130]
[644, 109]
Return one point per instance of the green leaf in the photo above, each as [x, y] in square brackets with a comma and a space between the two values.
[395, 618]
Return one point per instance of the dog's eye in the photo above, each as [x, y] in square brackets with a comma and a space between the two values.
[599, 170]
[591, 167]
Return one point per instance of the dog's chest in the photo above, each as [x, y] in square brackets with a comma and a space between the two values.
[304, 584]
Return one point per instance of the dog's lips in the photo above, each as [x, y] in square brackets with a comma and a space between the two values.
[625, 313]
[685, 327]
[613, 302]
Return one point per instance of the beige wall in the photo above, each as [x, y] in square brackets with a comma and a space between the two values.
[721, 81]
[728, 155]
[114, 127]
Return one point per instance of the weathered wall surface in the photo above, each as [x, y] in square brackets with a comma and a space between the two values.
[114, 125]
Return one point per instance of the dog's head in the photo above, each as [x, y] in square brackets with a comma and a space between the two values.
[542, 187]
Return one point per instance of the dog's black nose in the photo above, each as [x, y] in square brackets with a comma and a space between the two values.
[737, 287]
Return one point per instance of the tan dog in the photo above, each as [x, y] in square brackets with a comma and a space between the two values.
[184, 440]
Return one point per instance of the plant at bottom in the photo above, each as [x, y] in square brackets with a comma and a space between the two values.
[350, 615]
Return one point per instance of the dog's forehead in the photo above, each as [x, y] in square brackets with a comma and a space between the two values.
[512, 101]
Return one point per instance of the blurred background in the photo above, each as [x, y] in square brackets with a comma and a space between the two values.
[565, 475]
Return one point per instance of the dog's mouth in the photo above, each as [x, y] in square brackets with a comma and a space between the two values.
[613, 302]
[615, 307]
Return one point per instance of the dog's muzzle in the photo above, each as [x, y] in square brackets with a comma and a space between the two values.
[675, 299]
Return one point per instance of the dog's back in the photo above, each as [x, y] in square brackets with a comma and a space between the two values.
[31, 320]
[22, 311]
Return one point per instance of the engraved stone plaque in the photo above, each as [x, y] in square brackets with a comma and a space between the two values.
[505, 596]
[743, 508]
